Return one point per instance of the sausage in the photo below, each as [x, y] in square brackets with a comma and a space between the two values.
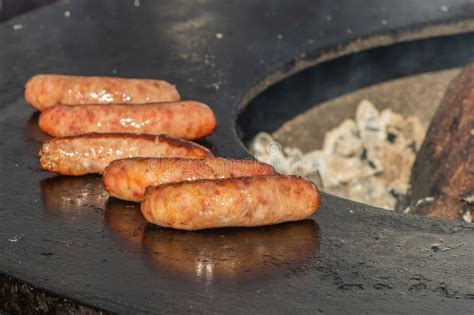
[243, 201]
[47, 90]
[186, 119]
[127, 179]
[91, 153]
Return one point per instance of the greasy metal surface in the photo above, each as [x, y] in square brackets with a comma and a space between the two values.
[63, 236]
[12, 8]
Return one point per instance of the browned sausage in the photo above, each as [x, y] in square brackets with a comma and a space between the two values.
[243, 201]
[91, 153]
[47, 90]
[127, 179]
[186, 120]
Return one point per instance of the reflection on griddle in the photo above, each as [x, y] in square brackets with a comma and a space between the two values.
[125, 219]
[73, 197]
[217, 254]
[234, 253]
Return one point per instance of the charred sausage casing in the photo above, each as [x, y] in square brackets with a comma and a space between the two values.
[127, 179]
[47, 90]
[186, 119]
[91, 153]
[243, 201]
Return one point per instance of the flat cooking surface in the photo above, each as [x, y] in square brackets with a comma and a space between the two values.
[63, 237]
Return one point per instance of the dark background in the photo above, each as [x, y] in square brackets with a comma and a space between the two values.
[11, 8]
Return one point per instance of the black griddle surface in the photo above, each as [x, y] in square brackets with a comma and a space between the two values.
[62, 238]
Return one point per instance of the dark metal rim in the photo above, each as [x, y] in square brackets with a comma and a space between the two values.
[315, 58]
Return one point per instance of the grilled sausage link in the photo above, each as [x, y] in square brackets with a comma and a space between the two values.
[243, 201]
[127, 179]
[186, 120]
[91, 153]
[47, 90]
